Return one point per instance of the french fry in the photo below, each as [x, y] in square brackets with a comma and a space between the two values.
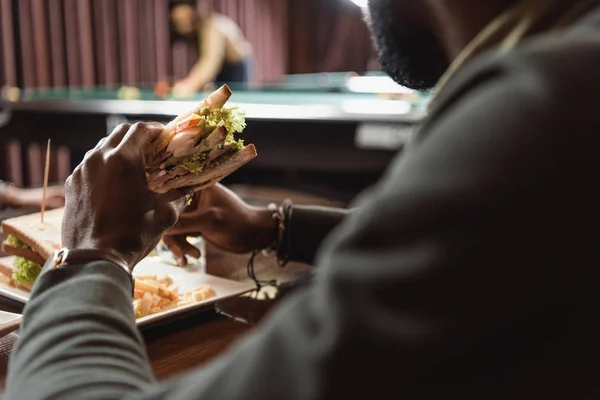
[200, 294]
[137, 306]
[164, 301]
[209, 292]
[154, 294]
[154, 289]
[146, 303]
[165, 280]
[146, 277]
[170, 305]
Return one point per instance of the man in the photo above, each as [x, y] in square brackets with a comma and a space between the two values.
[13, 199]
[224, 52]
[468, 272]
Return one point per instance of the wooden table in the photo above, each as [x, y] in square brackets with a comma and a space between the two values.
[189, 343]
[185, 344]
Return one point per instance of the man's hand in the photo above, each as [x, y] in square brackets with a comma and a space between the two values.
[17, 197]
[224, 220]
[108, 203]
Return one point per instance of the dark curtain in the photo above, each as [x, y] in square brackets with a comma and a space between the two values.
[57, 43]
[60, 43]
[328, 36]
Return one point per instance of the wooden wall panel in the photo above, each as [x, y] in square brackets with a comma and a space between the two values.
[27, 58]
[39, 18]
[57, 43]
[9, 44]
[72, 43]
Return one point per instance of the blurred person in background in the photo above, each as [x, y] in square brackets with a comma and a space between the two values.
[15, 197]
[225, 54]
[469, 271]
[17, 201]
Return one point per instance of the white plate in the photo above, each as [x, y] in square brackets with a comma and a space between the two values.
[188, 278]
[9, 322]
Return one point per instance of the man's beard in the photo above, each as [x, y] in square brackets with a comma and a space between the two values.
[409, 54]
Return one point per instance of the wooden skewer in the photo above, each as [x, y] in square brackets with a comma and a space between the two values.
[46, 173]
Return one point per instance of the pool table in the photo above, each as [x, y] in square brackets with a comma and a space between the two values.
[321, 138]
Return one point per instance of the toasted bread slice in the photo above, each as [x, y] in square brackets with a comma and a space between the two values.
[217, 137]
[209, 183]
[29, 254]
[209, 175]
[43, 238]
[6, 269]
[7, 266]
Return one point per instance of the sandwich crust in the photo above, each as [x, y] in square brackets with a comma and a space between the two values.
[44, 238]
[29, 254]
[213, 174]
[7, 267]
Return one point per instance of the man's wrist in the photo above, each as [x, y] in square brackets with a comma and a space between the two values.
[265, 228]
[66, 257]
[104, 246]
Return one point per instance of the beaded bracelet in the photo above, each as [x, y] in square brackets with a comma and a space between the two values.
[284, 248]
[281, 246]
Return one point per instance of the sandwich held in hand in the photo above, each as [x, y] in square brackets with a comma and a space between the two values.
[199, 148]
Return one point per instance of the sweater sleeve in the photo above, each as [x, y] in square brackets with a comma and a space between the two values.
[309, 226]
[78, 338]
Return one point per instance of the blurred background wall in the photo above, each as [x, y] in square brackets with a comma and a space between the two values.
[104, 45]
[89, 43]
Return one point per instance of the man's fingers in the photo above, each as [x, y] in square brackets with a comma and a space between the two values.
[174, 195]
[180, 247]
[188, 248]
[115, 137]
[140, 135]
[176, 249]
[186, 224]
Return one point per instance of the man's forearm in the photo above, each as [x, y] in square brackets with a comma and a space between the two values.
[78, 338]
[309, 226]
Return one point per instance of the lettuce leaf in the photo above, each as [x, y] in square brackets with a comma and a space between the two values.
[26, 271]
[233, 119]
[195, 163]
[15, 241]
